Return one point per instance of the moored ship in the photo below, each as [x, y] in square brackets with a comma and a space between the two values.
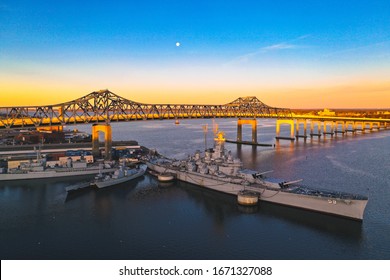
[122, 174]
[219, 171]
[38, 170]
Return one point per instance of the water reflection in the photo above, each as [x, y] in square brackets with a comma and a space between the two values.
[284, 145]
[248, 209]
[74, 195]
[249, 154]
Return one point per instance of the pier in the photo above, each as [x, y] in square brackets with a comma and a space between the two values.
[15, 150]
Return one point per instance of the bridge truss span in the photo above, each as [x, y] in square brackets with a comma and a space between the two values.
[105, 106]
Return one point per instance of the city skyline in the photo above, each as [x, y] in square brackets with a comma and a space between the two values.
[295, 55]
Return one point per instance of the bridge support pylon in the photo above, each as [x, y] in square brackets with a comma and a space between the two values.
[292, 128]
[297, 135]
[342, 131]
[332, 125]
[312, 132]
[107, 130]
[252, 122]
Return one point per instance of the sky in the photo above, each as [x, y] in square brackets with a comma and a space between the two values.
[293, 54]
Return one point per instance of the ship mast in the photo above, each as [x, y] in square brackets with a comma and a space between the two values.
[205, 128]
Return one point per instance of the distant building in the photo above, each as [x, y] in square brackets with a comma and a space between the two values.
[36, 137]
[327, 112]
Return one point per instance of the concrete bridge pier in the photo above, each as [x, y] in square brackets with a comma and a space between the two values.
[350, 127]
[374, 125]
[332, 125]
[252, 122]
[292, 129]
[368, 126]
[362, 127]
[342, 131]
[298, 122]
[312, 123]
[107, 130]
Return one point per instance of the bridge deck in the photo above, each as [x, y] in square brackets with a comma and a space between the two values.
[105, 106]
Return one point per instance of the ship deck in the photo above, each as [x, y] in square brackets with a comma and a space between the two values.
[300, 189]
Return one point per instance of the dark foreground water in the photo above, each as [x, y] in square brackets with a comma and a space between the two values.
[144, 219]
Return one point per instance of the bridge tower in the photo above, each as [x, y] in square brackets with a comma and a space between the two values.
[252, 122]
[292, 128]
[107, 130]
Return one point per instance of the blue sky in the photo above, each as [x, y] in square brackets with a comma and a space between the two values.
[228, 48]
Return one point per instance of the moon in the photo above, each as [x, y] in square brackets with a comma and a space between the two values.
[177, 44]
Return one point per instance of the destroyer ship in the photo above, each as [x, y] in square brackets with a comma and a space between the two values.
[217, 170]
[122, 174]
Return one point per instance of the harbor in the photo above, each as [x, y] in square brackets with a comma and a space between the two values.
[12, 151]
[217, 170]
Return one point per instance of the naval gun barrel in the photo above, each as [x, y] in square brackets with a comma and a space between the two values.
[285, 184]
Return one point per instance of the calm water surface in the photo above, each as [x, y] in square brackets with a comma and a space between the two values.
[145, 219]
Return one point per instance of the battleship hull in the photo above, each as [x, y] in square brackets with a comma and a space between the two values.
[348, 208]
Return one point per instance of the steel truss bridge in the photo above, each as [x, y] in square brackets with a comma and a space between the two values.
[105, 106]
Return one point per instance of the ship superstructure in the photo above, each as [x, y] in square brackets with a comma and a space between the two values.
[38, 169]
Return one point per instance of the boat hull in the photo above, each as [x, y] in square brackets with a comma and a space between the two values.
[348, 208]
[112, 182]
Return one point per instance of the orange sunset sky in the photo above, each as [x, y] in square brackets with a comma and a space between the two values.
[312, 55]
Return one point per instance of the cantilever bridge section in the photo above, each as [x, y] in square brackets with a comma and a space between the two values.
[105, 106]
